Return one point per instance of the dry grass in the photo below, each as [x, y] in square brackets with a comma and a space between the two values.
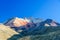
[6, 32]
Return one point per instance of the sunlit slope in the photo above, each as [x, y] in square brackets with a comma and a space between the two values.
[6, 32]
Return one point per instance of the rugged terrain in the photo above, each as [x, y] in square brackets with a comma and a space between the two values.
[50, 33]
[29, 29]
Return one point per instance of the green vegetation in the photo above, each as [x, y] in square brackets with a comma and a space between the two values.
[50, 33]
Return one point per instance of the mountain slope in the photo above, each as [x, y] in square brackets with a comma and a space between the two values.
[49, 33]
[49, 22]
[27, 23]
[33, 29]
[16, 22]
[6, 32]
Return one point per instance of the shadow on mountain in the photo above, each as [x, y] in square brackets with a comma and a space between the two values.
[38, 33]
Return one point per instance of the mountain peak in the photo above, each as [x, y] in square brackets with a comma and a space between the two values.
[26, 23]
[48, 20]
[17, 22]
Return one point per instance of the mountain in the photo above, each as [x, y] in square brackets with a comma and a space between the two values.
[35, 20]
[32, 29]
[6, 32]
[16, 22]
[46, 33]
[28, 23]
[49, 22]
[22, 23]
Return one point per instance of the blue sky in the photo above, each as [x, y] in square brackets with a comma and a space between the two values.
[30, 8]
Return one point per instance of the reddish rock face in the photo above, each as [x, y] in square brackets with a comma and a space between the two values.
[53, 24]
[19, 22]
